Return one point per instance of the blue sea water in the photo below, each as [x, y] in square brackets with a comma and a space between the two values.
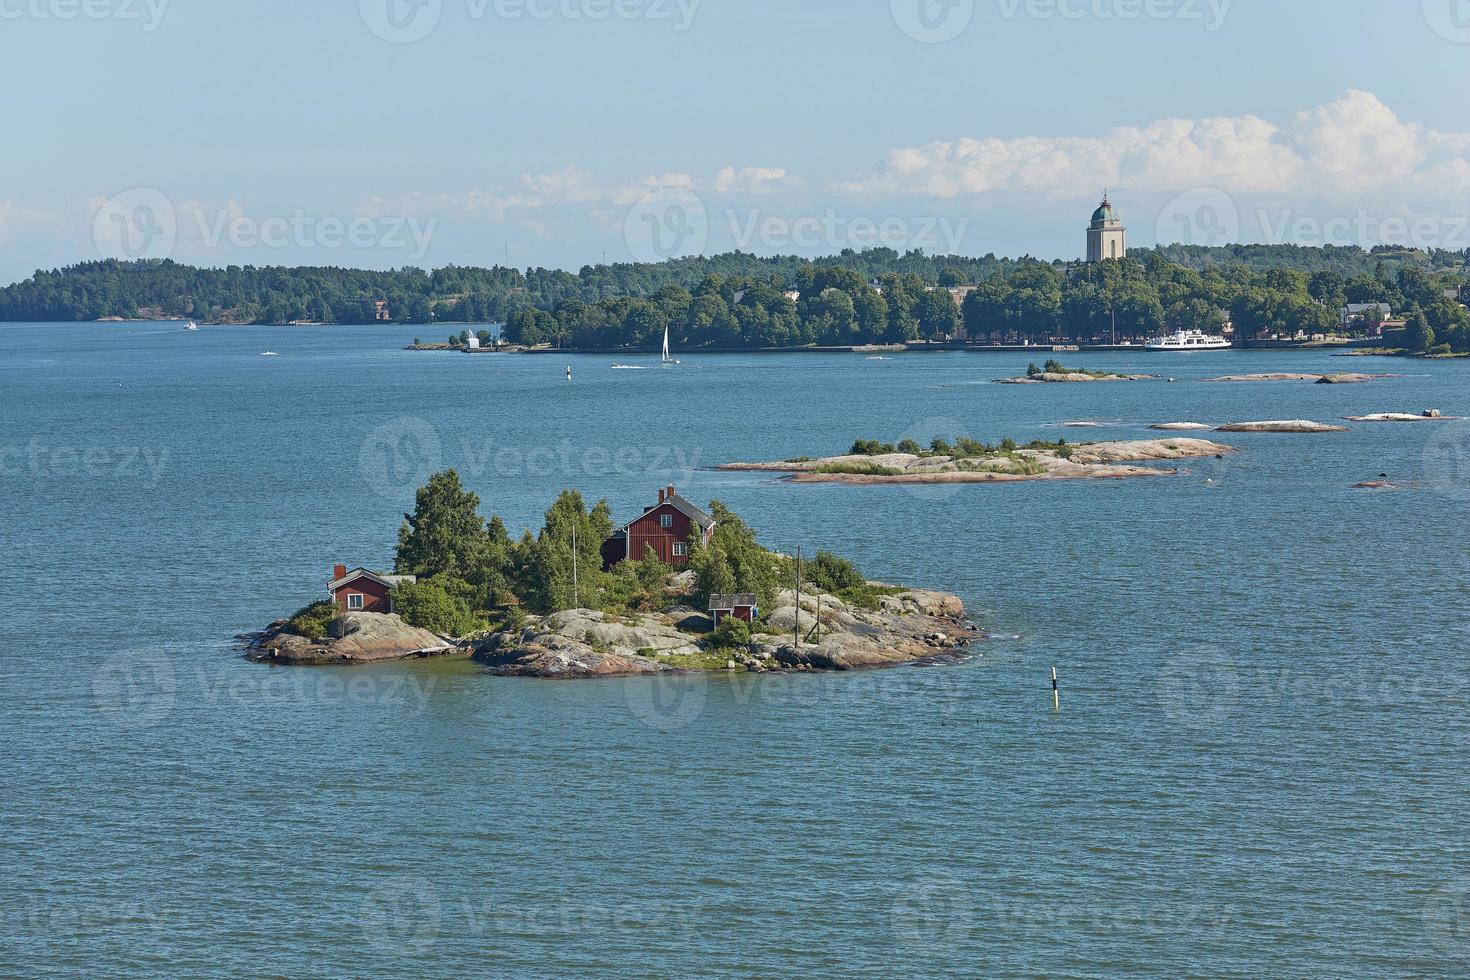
[1259, 766]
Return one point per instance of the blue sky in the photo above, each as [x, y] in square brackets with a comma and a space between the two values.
[552, 132]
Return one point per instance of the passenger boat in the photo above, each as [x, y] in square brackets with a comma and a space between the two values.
[1185, 340]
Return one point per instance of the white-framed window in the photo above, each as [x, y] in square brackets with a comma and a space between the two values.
[681, 549]
[354, 600]
[666, 521]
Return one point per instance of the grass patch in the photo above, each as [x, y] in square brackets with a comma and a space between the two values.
[857, 469]
[312, 621]
[706, 660]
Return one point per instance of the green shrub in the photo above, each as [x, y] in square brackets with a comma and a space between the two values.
[441, 604]
[833, 574]
[871, 447]
[911, 447]
[312, 621]
[732, 634]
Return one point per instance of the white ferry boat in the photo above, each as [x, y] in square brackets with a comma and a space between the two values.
[1189, 340]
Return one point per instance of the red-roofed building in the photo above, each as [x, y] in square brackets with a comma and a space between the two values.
[667, 528]
[360, 590]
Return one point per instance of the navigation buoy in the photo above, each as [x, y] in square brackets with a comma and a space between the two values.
[1056, 697]
[569, 374]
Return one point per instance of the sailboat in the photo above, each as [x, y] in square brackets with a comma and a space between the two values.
[668, 358]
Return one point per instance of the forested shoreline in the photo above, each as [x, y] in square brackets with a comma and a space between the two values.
[744, 301]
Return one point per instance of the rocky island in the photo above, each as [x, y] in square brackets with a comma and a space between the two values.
[573, 602]
[967, 461]
[1282, 425]
[1321, 379]
[1053, 372]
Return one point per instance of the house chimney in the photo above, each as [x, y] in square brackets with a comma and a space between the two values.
[671, 491]
[339, 571]
[662, 495]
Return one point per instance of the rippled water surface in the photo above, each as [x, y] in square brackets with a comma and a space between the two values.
[1259, 767]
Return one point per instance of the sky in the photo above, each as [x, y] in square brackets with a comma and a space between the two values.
[558, 133]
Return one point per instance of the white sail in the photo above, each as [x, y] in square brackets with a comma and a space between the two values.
[667, 356]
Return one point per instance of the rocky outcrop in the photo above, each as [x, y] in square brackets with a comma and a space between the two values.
[1330, 379]
[1431, 415]
[356, 638]
[587, 643]
[1180, 427]
[1291, 425]
[1072, 377]
[833, 635]
[821, 633]
[1081, 461]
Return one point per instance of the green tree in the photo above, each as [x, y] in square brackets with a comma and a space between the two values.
[444, 535]
[1418, 334]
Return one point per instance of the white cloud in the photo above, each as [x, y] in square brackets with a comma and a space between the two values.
[635, 192]
[1353, 144]
[750, 180]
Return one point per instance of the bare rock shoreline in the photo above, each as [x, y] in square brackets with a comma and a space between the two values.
[834, 636]
[353, 639]
[577, 644]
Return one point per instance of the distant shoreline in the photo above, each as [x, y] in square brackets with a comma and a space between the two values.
[1363, 346]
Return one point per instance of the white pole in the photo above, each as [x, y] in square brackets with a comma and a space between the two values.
[576, 591]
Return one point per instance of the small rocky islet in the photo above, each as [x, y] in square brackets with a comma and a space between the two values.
[673, 610]
[1034, 462]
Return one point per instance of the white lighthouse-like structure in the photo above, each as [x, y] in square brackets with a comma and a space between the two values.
[1106, 236]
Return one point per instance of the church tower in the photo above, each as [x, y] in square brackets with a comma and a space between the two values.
[1106, 236]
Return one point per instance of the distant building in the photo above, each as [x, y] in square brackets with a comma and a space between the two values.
[363, 591]
[667, 528]
[380, 311]
[1368, 316]
[1106, 236]
[472, 342]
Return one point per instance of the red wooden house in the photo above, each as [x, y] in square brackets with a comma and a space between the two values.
[667, 528]
[363, 591]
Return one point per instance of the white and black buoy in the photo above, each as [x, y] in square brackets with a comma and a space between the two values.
[1056, 697]
[569, 374]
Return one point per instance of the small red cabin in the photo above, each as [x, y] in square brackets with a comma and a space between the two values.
[667, 528]
[363, 591]
[740, 606]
